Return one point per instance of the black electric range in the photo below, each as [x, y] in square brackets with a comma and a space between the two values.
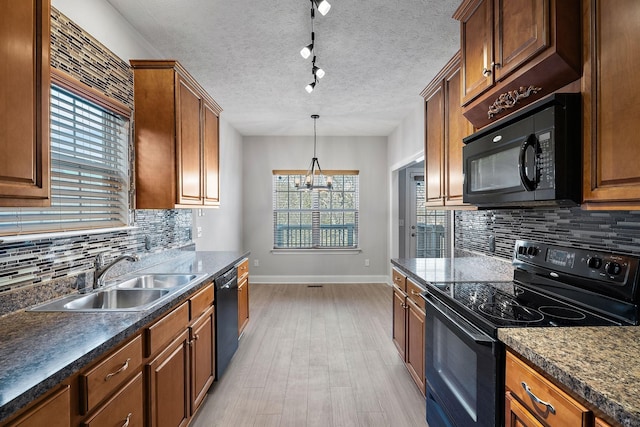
[552, 286]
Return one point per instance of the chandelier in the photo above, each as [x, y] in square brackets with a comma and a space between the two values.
[314, 179]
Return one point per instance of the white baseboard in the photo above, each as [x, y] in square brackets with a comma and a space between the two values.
[304, 280]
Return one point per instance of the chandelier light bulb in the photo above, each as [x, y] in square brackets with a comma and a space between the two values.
[306, 51]
[323, 6]
[319, 72]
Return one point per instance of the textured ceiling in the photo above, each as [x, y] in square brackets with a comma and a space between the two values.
[378, 55]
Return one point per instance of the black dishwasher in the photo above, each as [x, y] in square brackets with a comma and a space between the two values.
[226, 314]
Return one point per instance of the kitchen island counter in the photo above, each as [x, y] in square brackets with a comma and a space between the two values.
[41, 349]
[597, 364]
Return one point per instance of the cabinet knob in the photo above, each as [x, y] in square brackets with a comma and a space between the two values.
[486, 72]
[496, 65]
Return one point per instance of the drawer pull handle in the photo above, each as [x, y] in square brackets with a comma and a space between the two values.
[414, 292]
[537, 399]
[126, 423]
[122, 368]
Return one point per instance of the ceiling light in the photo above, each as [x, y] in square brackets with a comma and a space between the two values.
[306, 51]
[309, 88]
[323, 6]
[314, 179]
[319, 72]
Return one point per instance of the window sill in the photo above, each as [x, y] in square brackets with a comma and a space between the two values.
[315, 251]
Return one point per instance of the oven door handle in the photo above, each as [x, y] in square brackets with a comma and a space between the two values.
[460, 324]
[529, 184]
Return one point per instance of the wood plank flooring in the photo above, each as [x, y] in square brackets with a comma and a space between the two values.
[316, 356]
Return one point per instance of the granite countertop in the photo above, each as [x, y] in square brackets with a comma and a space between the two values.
[464, 269]
[598, 364]
[38, 350]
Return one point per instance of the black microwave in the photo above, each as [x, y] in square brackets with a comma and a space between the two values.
[531, 158]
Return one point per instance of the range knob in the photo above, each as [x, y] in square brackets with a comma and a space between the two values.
[531, 250]
[612, 268]
[594, 262]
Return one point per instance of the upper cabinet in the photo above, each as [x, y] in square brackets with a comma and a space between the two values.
[514, 52]
[611, 110]
[24, 103]
[445, 126]
[176, 138]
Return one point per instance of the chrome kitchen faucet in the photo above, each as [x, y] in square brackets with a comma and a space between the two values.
[101, 270]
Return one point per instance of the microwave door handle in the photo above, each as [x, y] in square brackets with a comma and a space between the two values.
[531, 141]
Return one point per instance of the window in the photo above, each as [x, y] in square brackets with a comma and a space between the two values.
[315, 219]
[89, 161]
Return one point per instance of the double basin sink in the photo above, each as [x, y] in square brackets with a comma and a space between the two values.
[134, 294]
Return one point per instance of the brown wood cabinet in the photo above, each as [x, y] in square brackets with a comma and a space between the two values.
[203, 357]
[243, 295]
[408, 325]
[510, 46]
[125, 408]
[531, 397]
[445, 127]
[53, 410]
[599, 422]
[609, 87]
[176, 138]
[24, 108]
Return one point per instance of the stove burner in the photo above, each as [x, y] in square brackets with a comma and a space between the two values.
[564, 313]
[511, 313]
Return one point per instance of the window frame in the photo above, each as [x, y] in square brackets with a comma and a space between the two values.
[316, 212]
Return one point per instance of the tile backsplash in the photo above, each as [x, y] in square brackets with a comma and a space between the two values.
[617, 231]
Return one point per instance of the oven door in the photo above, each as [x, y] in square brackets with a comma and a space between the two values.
[461, 365]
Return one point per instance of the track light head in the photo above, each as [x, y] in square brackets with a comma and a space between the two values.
[310, 87]
[318, 72]
[306, 51]
[323, 6]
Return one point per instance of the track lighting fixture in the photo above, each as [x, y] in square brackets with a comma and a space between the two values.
[323, 6]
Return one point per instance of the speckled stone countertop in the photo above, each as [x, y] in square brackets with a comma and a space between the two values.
[466, 269]
[598, 364]
[38, 350]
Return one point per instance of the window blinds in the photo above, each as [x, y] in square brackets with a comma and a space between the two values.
[89, 158]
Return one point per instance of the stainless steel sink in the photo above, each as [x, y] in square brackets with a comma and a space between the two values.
[137, 293]
[116, 299]
[157, 281]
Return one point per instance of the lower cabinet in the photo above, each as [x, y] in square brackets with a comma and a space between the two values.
[408, 326]
[203, 357]
[168, 385]
[53, 410]
[243, 294]
[125, 408]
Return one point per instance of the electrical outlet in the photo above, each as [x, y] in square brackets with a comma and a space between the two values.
[366, 262]
[256, 263]
[199, 231]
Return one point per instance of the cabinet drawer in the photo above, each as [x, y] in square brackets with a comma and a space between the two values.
[165, 329]
[399, 280]
[200, 302]
[566, 410]
[243, 268]
[125, 408]
[413, 291]
[108, 375]
[52, 411]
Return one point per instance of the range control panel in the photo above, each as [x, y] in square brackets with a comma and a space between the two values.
[606, 267]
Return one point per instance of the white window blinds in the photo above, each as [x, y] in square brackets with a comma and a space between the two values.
[89, 158]
[315, 219]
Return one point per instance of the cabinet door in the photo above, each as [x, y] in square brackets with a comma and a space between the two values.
[599, 422]
[53, 411]
[476, 26]
[611, 125]
[434, 145]
[457, 127]
[521, 31]
[516, 415]
[399, 322]
[211, 147]
[24, 104]
[243, 305]
[188, 148]
[168, 382]
[202, 358]
[415, 344]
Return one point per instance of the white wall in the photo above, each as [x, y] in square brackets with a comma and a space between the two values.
[102, 21]
[222, 227]
[264, 154]
[405, 145]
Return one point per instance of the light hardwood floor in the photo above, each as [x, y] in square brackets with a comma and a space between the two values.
[316, 356]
